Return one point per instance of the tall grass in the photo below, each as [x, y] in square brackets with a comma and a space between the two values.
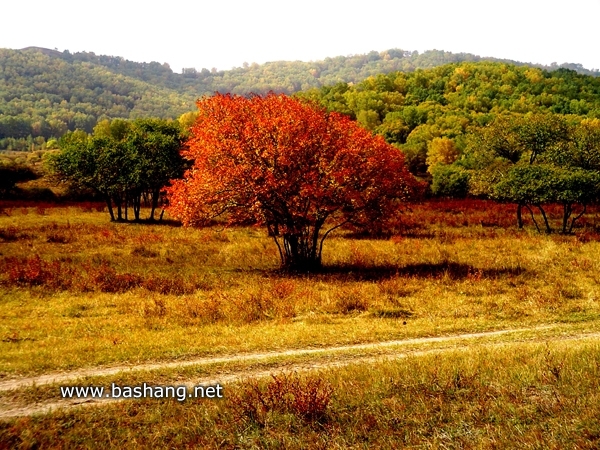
[78, 291]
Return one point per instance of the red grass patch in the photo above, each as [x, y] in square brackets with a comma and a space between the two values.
[34, 271]
[106, 279]
[64, 275]
[307, 398]
[12, 234]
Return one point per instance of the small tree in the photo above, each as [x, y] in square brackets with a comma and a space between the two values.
[440, 151]
[291, 166]
[528, 185]
[539, 184]
[450, 181]
[123, 161]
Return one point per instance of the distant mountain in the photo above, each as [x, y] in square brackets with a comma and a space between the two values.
[44, 93]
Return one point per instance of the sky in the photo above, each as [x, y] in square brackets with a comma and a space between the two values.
[226, 33]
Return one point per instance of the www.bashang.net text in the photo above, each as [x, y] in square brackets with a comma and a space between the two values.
[143, 390]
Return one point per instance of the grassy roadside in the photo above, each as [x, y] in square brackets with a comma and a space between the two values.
[517, 396]
[46, 389]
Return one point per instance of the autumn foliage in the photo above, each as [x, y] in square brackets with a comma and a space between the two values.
[291, 166]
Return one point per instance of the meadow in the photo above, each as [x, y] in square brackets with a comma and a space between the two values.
[79, 294]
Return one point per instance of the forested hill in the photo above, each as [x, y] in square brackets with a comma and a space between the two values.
[44, 93]
[283, 76]
[453, 100]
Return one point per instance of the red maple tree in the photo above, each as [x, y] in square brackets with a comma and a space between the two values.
[291, 166]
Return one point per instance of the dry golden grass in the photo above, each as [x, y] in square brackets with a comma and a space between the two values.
[78, 291]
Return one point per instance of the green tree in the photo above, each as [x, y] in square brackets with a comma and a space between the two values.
[516, 142]
[450, 181]
[124, 162]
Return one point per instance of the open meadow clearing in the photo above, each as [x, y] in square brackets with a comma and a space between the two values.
[387, 250]
[87, 302]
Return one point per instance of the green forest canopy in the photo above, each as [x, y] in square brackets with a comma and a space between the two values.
[412, 109]
[44, 93]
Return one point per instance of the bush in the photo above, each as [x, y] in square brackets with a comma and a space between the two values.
[304, 397]
[10, 175]
[450, 181]
[34, 271]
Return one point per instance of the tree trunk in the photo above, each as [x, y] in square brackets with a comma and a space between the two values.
[126, 207]
[537, 227]
[117, 200]
[519, 216]
[155, 196]
[578, 216]
[299, 254]
[110, 208]
[136, 202]
[567, 210]
[548, 229]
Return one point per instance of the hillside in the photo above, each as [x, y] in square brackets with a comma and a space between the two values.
[285, 76]
[44, 93]
[411, 109]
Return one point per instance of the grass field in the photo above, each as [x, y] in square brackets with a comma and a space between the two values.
[78, 293]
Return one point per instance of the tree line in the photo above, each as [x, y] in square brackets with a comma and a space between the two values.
[532, 160]
[45, 93]
[410, 110]
[510, 133]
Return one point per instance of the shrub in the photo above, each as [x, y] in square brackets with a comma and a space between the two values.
[34, 271]
[305, 397]
[106, 279]
[172, 285]
[450, 181]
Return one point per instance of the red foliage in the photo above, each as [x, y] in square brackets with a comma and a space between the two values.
[106, 279]
[289, 165]
[63, 275]
[34, 271]
[307, 398]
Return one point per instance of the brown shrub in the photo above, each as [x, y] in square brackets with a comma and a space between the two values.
[284, 288]
[106, 279]
[59, 237]
[304, 397]
[11, 234]
[158, 308]
[144, 252]
[34, 271]
[171, 285]
[350, 300]
[202, 310]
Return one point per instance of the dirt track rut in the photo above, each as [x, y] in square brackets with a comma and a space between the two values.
[9, 411]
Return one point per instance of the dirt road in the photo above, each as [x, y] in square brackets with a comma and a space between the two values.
[338, 359]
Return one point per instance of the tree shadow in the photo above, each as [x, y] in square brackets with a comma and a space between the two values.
[163, 222]
[452, 270]
[414, 233]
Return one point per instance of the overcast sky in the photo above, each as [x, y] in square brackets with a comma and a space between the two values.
[227, 33]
